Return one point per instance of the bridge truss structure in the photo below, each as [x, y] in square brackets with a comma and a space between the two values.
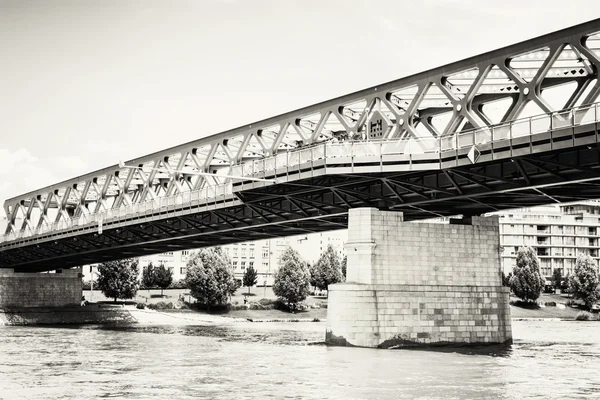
[513, 127]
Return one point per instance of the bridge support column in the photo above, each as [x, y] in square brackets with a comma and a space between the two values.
[411, 284]
[58, 289]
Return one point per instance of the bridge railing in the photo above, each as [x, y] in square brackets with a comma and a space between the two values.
[177, 202]
[328, 150]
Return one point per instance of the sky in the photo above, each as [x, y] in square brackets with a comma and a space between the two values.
[86, 83]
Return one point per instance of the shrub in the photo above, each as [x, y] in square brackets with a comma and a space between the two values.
[292, 279]
[584, 283]
[550, 304]
[526, 282]
[524, 304]
[180, 284]
[267, 302]
[583, 316]
[86, 285]
[140, 306]
[161, 305]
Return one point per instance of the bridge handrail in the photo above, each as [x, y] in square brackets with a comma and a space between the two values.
[522, 127]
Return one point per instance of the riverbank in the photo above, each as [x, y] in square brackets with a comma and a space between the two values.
[100, 313]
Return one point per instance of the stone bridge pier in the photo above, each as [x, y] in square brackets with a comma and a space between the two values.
[23, 289]
[413, 284]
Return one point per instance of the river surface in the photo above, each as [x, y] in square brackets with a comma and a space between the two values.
[289, 361]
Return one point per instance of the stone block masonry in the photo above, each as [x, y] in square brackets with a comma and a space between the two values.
[419, 284]
[18, 289]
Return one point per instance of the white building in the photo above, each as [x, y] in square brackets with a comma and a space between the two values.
[558, 234]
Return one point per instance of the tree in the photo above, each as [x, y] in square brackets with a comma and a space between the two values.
[344, 266]
[163, 277]
[526, 282]
[250, 278]
[312, 270]
[119, 279]
[506, 279]
[328, 269]
[210, 278]
[148, 280]
[292, 279]
[557, 279]
[583, 283]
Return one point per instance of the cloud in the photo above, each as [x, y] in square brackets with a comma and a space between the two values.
[21, 172]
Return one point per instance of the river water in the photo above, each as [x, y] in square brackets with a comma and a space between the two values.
[289, 361]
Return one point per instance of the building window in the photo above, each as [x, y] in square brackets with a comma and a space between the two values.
[235, 265]
[182, 270]
[185, 252]
[251, 264]
[592, 231]
[252, 252]
[265, 253]
[542, 251]
[243, 265]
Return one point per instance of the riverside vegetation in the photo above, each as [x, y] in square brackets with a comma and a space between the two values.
[211, 282]
[527, 284]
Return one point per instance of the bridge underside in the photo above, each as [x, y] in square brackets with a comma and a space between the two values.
[321, 203]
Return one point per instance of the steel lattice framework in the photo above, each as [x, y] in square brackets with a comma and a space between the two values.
[421, 114]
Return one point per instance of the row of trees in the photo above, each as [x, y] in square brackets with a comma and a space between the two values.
[526, 281]
[211, 281]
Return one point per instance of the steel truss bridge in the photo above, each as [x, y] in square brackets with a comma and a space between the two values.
[514, 127]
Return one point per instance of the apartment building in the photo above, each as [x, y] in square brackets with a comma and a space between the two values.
[556, 233]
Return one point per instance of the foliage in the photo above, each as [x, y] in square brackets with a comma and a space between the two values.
[312, 270]
[526, 282]
[163, 277]
[583, 316]
[583, 283]
[344, 266]
[328, 269]
[119, 279]
[292, 279]
[209, 277]
[148, 280]
[506, 279]
[140, 306]
[557, 278]
[86, 285]
[250, 278]
[180, 284]
[161, 305]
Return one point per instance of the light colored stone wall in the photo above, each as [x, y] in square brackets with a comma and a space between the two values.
[19, 289]
[384, 250]
[404, 315]
[419, 283]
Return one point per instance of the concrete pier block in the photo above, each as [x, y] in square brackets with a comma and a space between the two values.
[411, 284]
[57, 289]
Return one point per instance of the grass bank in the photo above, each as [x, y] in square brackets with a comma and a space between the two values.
[568, 313]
